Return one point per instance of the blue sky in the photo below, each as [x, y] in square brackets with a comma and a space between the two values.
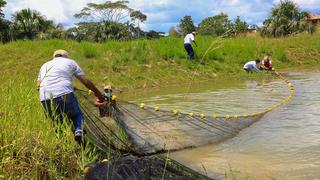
[162, 14]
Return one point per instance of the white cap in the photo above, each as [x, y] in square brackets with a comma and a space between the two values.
[109, 86]
[61, 52]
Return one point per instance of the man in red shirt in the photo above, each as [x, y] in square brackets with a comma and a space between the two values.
[267, 63]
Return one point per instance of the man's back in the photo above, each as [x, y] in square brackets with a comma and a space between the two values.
[56, 77]
[250, 65]
[189, 38]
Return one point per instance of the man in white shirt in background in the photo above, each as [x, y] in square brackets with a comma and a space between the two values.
[55, 87]
[188, 40]
[252, 66]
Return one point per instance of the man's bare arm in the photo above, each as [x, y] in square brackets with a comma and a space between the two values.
[38, 84]
[89, 84]
[194, 42]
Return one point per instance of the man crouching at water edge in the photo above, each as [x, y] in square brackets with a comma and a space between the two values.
[55, 85]
[252, 66]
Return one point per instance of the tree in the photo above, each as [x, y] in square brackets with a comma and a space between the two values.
[5, 33]
[215, 25]
[109, 20]
[285, 19]
[2, 4]
[139, 17]
[154, 34]
[240, 26]
[254, 26]
[4, 25]
[99, 31]
[56, 32]
[173, 32]
[106, 12]
[186, 25]
[29, 23]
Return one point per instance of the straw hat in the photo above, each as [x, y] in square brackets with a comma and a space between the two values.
[60, 53]
[109, 86]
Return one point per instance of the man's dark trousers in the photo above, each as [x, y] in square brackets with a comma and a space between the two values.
[189, 49]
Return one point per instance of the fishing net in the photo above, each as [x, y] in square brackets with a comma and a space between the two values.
[137, 168]
[144, 130]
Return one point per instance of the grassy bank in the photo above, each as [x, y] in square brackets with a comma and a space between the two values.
[28, 145]
[163, 62]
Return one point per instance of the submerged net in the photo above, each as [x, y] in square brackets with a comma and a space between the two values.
[137, 168]
[141, 130]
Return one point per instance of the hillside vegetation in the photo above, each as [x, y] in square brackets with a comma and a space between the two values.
[153, 62]
[28, 145]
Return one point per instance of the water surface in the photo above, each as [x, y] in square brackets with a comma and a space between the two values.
[284, 144]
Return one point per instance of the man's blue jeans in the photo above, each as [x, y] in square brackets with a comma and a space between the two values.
[66, 104]
[190, 51]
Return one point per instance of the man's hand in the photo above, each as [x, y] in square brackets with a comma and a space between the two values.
[194, 42]
[100, 102]
[38, 85]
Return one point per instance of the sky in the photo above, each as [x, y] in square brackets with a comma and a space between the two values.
[161, 14]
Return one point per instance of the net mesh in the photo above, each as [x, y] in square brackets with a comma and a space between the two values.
[131, 128]
[141, 130]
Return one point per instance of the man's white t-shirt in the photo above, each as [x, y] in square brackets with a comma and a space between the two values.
[251, 65]
[189, 38]
[56, 77]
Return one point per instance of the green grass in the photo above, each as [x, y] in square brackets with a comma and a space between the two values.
[29, 147]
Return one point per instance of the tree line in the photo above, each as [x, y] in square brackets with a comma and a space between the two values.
[285, 19]
[116, 20]
[99, 22]
[215, 25]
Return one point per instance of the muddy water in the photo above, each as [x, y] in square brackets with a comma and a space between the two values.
[284, 144]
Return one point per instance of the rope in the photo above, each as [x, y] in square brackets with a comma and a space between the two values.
[220, 123]
[244, 115]
[210, 48]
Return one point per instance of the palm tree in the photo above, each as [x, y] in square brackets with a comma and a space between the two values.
[29, 23]
[285, 19]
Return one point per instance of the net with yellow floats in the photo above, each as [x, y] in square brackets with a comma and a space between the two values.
[143, 130]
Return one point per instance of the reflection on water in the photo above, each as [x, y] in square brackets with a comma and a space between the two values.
[224, 101]
[285, 144]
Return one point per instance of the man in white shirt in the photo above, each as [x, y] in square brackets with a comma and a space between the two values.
[188, 40]
[55, 87]
[252, 66]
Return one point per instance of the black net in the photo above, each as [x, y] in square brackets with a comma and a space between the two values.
[135, 168]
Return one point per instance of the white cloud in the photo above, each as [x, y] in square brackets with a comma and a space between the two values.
[60, 11]
[305, 4]
[162, 14]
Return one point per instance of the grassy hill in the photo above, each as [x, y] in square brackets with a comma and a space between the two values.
[29, 146]
[153, 62]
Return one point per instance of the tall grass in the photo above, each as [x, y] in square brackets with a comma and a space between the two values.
[144, 63]
[29, 146]
[89, 50]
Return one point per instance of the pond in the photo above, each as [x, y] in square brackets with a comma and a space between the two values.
[284, 144]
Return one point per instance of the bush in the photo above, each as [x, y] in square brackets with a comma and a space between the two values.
[89, 51]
